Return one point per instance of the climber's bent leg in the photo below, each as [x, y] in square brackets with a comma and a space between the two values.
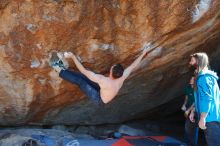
[90, 88]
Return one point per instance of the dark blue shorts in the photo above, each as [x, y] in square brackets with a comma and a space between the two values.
[212, 133]
[90, 88]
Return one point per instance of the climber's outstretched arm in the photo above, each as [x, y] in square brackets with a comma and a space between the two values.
[135, 64]
[91, 75]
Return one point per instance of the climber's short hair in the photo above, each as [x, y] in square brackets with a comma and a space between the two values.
[117, 71]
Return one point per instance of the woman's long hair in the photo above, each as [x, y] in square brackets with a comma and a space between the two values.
[202, 62]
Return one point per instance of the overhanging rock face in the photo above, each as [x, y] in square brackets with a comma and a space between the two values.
[101, 33]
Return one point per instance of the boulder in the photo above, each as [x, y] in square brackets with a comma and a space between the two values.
[101, 33]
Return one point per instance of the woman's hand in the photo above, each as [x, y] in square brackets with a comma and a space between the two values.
[192, 116]
[183, 108]
[202, 123]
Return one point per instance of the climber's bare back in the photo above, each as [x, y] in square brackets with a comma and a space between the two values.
[109, 87]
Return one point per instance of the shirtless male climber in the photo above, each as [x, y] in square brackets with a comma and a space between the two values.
[99, 88]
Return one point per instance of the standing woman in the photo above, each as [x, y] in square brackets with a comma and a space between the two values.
[207, 99]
